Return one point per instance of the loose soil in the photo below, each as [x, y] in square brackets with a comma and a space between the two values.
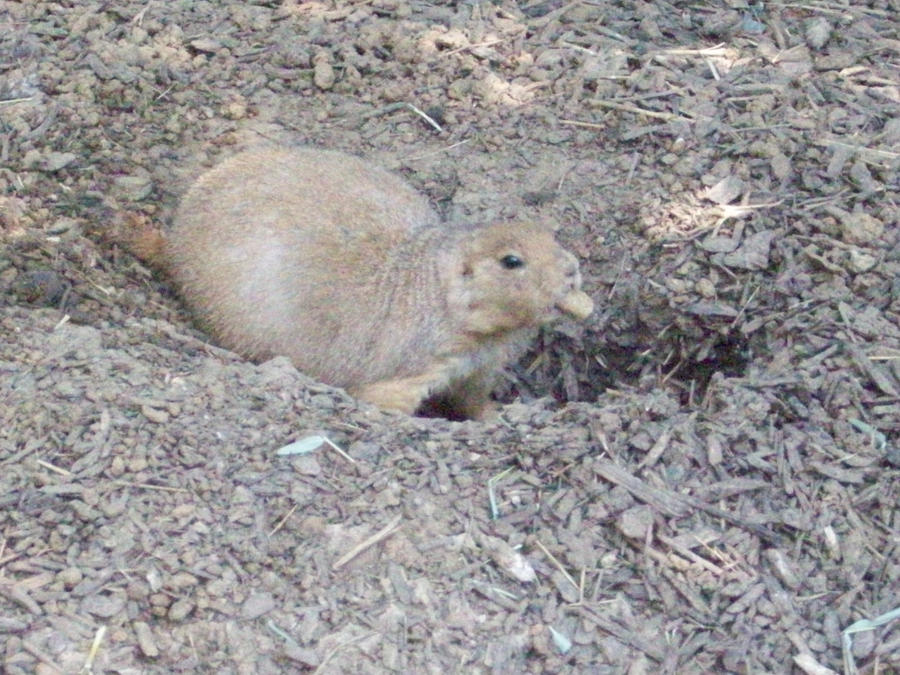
[704, 477]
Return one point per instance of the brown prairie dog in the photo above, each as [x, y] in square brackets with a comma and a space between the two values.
[346, 270]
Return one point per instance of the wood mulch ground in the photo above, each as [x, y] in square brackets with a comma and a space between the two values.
[704, 477]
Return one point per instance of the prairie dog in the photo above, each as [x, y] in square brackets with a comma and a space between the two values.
[348, 271]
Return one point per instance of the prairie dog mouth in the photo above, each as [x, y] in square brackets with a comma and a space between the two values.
[576, 304]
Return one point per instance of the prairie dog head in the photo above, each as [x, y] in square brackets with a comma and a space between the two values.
[515, 275]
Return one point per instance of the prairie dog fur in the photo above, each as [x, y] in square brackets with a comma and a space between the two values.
[345, 269]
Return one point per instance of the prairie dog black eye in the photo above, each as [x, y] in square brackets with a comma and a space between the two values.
[511, 262]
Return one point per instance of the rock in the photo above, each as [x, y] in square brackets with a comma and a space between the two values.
[145, 639]
[635, 522]
[103, 606]
[323, 73]
[726, 190]
[858, 227]
[256, 605]
[860, 261]
[206, 45]
[818, 31]
[70, 576]
[54, 161]
[753, 254]
[180, 609]
[133, 188]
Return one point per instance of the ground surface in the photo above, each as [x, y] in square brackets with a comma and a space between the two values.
[720, 494]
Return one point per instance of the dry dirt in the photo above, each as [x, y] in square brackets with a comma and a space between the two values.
[702, 478]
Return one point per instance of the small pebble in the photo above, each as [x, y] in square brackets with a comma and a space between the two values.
[54, 161]
[257, 604]
[145, 638]
[323, 73]
[860, 228]
[103, 606]
[70, 576]
[635, 522]
[861, 262]
[154, 414]
[133, 188]
[180, 609]
[818, 31]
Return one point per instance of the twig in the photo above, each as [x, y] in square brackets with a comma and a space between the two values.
[53, 467]
[858, 148]
[549, 17]
[41, 656]
[334, 651]
[17, 594]
[88, 666]
[560, 567]
[284, 520]
[11, 101]
[717, 50]
[138, 19]
[383, 533]
[488, 43]
[689, 554]
[425, 117]
[587, 125]
[492, 497]
[439, 150]
[833, 8]
[668, 117]
[338, 450]
[150, 486]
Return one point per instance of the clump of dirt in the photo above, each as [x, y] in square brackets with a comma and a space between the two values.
[704, 477]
